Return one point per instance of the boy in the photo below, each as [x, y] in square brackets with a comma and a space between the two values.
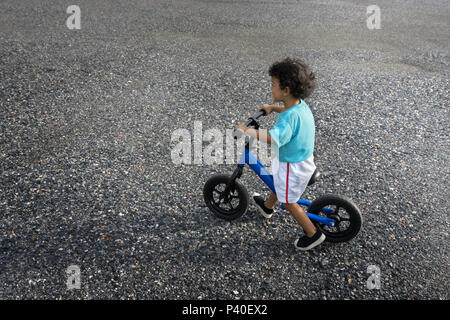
[293, 134]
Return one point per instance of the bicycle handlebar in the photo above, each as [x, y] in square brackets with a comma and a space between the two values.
[252, 120]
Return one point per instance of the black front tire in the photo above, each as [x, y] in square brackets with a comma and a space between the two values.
[347, 215]
[230, 209]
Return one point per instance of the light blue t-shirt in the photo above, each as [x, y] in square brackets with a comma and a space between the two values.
[294, 133]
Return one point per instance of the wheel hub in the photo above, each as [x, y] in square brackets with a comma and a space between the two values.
[335, 217]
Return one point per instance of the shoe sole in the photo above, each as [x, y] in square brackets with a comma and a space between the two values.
[261, 211]
[312, 245]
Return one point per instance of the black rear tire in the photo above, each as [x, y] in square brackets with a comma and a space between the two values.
[232, 208]
[347, 215]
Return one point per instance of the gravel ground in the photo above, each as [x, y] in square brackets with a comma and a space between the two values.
[86, 172]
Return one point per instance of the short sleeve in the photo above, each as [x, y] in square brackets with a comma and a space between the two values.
[281, 133]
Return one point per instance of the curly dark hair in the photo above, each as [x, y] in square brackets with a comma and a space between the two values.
[296, 75]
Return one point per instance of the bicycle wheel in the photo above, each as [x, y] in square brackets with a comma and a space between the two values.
[225, 206]
[346, 214]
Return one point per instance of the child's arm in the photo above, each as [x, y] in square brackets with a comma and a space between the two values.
[260, 134]
[269, 108]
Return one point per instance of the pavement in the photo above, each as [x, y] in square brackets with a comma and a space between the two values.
[87, 119]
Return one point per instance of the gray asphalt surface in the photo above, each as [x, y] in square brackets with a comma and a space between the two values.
[86, 176]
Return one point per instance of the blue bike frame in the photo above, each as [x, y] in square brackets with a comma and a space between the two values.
[248, 158]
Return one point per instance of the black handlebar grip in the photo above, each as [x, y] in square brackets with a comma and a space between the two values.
[253, 118]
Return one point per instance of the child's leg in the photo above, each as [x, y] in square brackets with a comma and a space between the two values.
[271, 201]
[300, 215]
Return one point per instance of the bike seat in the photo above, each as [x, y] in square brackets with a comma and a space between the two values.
[314, 177]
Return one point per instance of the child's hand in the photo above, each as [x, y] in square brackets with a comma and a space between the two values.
[267, 108]
[241, 127]
[239, 131]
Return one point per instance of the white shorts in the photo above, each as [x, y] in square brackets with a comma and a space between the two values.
[291, 179]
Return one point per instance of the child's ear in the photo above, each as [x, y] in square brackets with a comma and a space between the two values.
[287, 91]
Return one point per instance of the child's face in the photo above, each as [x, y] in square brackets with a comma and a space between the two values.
[277, 94]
